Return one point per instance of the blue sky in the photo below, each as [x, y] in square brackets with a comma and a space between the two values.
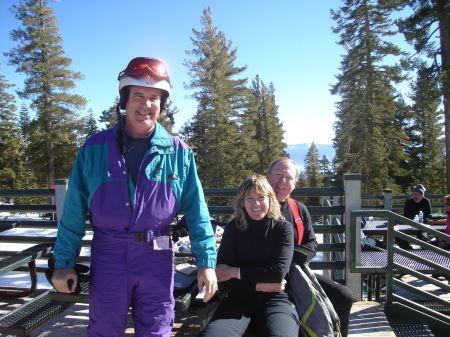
[287, 42]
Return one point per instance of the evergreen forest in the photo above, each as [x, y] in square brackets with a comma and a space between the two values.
[393, 141]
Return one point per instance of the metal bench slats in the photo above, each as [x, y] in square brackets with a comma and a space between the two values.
[15, 261]
[411, 329]
[31, 315]
[379, 259]
[183, 296]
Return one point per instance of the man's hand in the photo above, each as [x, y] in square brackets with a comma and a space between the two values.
[207, 277]
[60, 279]
[225, 272]
[271, 287]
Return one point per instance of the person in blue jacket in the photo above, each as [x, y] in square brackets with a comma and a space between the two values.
[133, 179]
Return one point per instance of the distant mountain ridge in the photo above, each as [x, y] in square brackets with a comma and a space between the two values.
[298, 152]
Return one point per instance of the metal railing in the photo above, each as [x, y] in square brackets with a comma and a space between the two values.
[337, 238]
[212, 195]
[341, 229]
[391, 267]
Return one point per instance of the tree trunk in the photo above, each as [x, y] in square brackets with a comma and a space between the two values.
[444, 30]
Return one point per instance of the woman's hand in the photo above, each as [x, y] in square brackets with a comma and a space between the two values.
[271, 287]
[225, 272]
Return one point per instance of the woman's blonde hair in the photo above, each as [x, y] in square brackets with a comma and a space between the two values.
[259, 184]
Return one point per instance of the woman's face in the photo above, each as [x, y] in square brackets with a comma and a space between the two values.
[256, 205]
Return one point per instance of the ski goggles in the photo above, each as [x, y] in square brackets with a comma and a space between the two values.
[144, 66]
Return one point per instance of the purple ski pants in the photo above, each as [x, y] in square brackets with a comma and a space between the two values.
[130, 274]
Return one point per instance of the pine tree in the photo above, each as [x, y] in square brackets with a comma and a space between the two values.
[428, 29]
[367, 140]
[313, 173]
[214, 132]
[166, 118]
[401, 121]
[70, 134]
[48, 84]
[26, 179]
[91, 126]
[9, 137]
[263, 125]
[109, 116]
[426, 133]
[327, 171]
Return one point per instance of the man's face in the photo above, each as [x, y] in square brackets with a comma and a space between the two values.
[417, 197]
[143, 108]
[282, 179]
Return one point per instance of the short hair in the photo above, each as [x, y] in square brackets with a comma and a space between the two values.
[258, 183]
[447, 199]
[276, 161]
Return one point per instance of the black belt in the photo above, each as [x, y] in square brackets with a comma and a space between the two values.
[143, 237]
[146, 236]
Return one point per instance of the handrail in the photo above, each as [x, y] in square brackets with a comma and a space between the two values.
[392, 266]
[328, 248]
[50, 192]
[334, 248]
[28, 208]
[297, 192]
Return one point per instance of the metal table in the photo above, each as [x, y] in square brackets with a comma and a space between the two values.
[379, 259]
[379, 227]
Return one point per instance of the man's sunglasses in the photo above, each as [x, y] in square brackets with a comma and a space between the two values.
[142, 66]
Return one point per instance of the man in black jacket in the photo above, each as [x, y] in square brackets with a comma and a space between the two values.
[283, 176]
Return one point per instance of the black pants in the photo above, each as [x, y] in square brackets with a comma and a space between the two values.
[405, 244]
[271, 315]
[342, 299]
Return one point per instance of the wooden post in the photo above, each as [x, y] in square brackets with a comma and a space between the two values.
[326, 273]
[60, 196]
[352, 201]
[387, 200]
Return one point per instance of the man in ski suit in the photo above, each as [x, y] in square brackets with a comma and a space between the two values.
[133, 179]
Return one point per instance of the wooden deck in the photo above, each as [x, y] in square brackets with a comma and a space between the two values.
[73, 322]
[367, 320]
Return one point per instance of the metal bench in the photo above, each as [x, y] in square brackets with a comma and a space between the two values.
[185, 290]
[13, 262]
[379, 259]
[411, 329]
[379, 228]
[7, 225]
[32, 315]
[43, 308]
[37, 311]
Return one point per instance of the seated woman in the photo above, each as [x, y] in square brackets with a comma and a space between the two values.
[253, 260]
[444, 244]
